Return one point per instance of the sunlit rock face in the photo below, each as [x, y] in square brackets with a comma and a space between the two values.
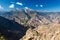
[45, 32]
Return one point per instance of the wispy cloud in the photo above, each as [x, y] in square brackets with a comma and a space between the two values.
[11, 6]
[41, 5]
[1, 7]
[36, 5]
[19, 3]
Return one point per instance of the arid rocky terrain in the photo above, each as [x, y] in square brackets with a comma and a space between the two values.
[28, 24]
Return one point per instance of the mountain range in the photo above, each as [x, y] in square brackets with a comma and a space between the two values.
[29, 17]
[15, 24]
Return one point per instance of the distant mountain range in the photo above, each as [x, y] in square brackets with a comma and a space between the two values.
[29, 17]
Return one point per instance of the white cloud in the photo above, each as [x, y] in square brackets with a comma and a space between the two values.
[41, 5]
[1, 7]
[26, 8]
[19, 3]
[36, 5]
[11, 6]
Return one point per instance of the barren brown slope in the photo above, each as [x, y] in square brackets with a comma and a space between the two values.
[46, 32]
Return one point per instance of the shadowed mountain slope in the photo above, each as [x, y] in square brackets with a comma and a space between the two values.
[11, 29]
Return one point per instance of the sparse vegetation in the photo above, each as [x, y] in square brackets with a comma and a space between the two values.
[2, 37]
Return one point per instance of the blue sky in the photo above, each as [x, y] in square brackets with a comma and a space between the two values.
[49, 5]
